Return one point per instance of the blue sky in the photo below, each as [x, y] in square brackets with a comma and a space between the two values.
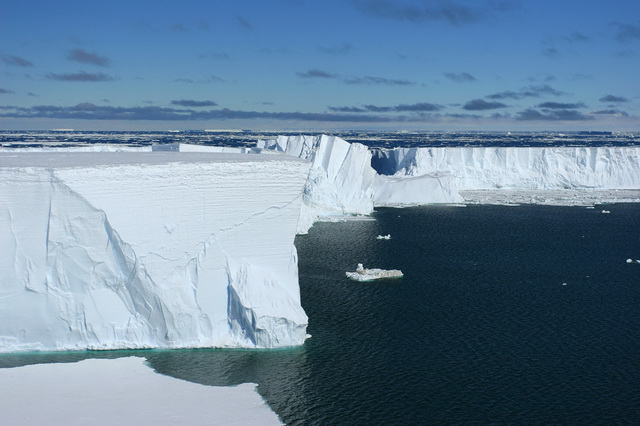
[320, 65]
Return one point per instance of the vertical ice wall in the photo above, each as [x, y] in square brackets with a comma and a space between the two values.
[340, 180]
[518, 168]
[138, 250]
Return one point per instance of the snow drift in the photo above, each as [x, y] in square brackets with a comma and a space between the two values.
[149, 250]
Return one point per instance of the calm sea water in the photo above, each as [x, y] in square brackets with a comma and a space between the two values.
[505, 315]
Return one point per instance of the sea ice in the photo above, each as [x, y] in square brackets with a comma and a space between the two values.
[122, 391]
[364, 274]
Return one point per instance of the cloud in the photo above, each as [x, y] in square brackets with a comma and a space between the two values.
[613, 98]
[215, 55]
[459, 78]
[417, 107]
[16, 61]
[192, 103]
[377, 81]
[315, 73]
[482, 105]
[4, 91]
[553, 115]
[85, 57]
[89, 111]
[81, 76]
[368, 80]
[611, 112]
[559, 105]
[580, 76]
[244, 23]
[342, 49]
[551, 52]
[180, 28]
[577, 37]
[450, 11]
[626, 32]
[210, 79]
[527, 92]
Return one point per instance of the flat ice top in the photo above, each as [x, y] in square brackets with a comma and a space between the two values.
[88, 159]
[122, 391]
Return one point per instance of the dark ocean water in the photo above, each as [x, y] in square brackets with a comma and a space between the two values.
[505, 315]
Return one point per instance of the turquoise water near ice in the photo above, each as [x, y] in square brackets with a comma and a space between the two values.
[505, 315]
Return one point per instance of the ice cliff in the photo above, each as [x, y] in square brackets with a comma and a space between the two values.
[341, 178]
[149, 250]
[535, 168]
[343, 182]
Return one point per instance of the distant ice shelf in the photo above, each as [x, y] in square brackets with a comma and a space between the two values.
[110, 250]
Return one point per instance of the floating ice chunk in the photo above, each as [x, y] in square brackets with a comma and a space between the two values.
[632, 261]
[364, 274]
[606, 211]
[383, 237]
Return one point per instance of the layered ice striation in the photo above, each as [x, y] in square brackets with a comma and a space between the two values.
[533, 168]
[149, 250]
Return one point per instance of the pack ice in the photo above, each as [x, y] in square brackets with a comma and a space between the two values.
[149, 250]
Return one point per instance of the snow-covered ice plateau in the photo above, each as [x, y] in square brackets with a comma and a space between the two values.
[109, 250]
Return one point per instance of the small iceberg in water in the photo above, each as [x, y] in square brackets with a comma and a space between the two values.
[364, 274]
[383, 237]
[632, 261]
[606, 211]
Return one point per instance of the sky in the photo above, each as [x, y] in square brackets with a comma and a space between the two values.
[432, 65]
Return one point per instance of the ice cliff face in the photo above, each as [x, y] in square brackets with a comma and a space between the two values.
[341, 178]
[149, 250]
[518, 168]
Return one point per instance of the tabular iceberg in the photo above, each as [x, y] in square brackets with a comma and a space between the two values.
[342, 180]
[533, 168]
[149, 250]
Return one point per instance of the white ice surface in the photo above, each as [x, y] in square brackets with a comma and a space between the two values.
[341, 178]
[372, 274]
[415, 190]
[121, 391]
[149, 249]
[536, 168]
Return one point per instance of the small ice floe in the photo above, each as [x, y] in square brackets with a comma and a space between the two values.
[606, 211]
[633, 261]
[364, 274]
[383, 237]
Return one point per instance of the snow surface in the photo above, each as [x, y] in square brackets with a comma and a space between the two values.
[149, 249]
[122, 391]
